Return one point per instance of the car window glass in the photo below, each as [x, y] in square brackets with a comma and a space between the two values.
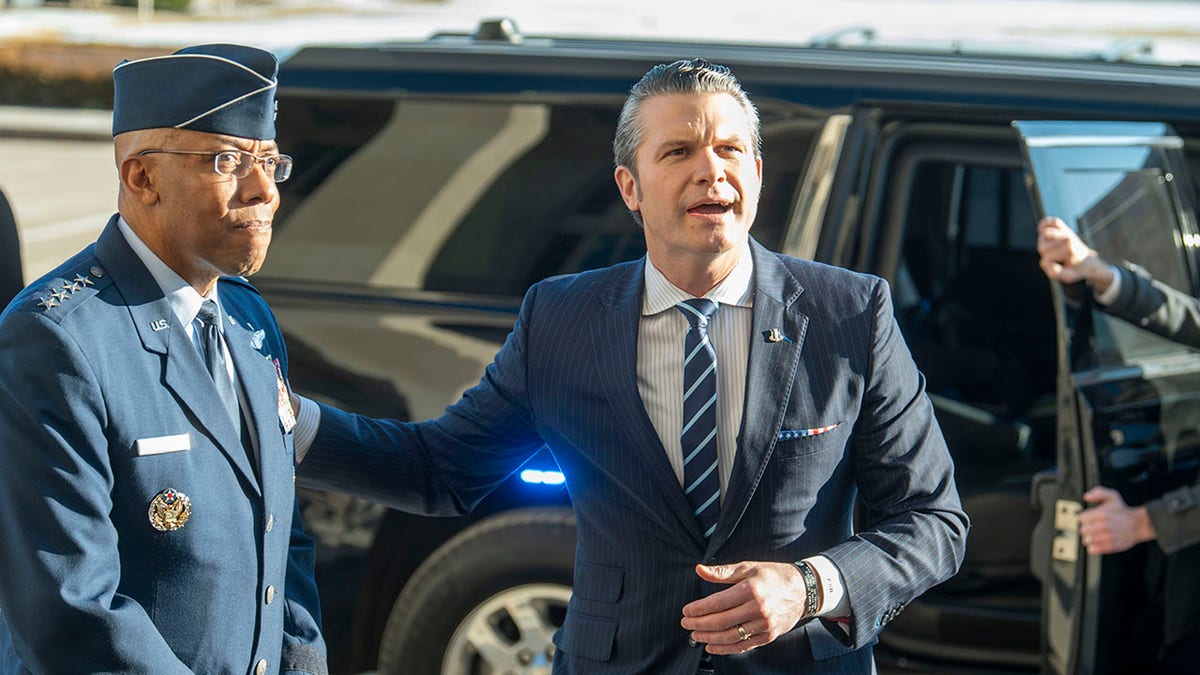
[1121, 200]
[472, 196]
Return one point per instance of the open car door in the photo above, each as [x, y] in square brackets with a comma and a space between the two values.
[1128, 400]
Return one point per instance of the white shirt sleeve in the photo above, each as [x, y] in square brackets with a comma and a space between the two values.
[834, 602]
[1109, 296]
[307, 424]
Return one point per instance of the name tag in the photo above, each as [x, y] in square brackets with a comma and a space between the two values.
[163, 444]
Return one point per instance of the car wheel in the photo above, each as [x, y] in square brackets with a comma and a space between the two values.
[488, 601]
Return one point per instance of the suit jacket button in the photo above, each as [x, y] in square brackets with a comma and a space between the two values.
[270, 594]
[691, 642]
[261, 667]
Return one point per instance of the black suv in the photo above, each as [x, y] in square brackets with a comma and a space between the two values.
[437, 180]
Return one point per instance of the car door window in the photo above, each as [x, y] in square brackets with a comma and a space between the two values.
[1123, 202]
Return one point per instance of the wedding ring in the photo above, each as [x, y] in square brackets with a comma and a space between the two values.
[742, 632]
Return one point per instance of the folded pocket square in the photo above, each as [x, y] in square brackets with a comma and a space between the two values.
[792, 434]
[159, 445]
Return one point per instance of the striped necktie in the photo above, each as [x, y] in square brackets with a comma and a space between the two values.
[701, 480]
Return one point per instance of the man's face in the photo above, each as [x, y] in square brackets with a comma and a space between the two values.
[207, 224]
[697, 180]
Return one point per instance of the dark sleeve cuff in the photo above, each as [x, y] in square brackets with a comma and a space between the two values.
[1176, 519]
[299, 658]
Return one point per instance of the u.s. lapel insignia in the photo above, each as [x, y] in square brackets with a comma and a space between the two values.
[287, 418]
[170, 510]
[159, 324]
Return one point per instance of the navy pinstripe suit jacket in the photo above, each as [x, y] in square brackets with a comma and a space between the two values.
[567, 376]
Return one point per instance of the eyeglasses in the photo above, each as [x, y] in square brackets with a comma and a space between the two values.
[238, 163]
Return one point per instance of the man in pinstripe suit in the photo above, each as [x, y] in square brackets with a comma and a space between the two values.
[714, 509]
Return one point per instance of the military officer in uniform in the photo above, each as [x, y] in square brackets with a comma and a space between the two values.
[148, 518]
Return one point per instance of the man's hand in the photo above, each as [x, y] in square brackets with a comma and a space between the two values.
[1110, 526]
[1065, 258]
[766, 599]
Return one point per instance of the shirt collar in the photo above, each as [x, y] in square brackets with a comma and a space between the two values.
[185, 301]
[737, 288]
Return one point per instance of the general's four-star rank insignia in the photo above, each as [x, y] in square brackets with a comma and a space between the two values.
[170, 510]
[59, 296]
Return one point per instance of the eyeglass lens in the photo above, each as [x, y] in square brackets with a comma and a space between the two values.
[240, 164]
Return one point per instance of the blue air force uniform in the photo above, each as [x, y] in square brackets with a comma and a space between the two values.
[142, 528]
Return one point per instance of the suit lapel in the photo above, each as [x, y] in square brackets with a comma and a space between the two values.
[770, 379]
[184, 374]
[615, 346]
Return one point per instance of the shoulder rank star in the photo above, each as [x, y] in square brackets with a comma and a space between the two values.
[169, 510]
[47, 303]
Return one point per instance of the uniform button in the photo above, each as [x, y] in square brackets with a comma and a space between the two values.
[270, 594]
[691, 642]
[261, 667]
[270, 522]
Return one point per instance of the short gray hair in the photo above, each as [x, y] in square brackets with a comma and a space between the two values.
[687, 76]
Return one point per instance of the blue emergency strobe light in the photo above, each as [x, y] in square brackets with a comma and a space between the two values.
[539, 477]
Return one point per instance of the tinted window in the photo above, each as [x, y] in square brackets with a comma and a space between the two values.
[1124, 203]
[468, 195]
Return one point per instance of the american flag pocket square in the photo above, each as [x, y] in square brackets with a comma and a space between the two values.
[792, 434]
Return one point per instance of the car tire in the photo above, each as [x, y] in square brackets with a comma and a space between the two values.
[487, 601]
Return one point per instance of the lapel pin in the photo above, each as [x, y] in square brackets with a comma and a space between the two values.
[159, 324]
[774, 335]
[170, 510]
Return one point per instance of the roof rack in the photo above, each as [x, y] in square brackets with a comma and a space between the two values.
[502, 29]
[1131, 49]
[863, 36]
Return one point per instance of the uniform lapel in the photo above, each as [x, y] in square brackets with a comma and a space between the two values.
[770, 379]
[184, 374]
[260, 386]
[615, 346]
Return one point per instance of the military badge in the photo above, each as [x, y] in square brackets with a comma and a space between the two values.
[286, 417]
[170, 510]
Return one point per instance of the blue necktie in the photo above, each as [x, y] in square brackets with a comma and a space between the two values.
[214, 358]
[701, 481]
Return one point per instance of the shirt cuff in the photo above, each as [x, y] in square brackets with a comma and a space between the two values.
[834, 602]
[307, 424]
[1110, 294]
